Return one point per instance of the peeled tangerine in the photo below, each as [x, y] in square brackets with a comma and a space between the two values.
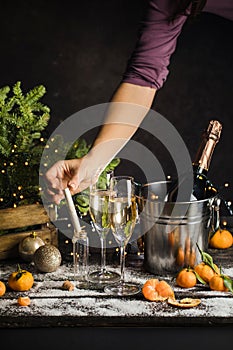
[155, 290]
[23, 301]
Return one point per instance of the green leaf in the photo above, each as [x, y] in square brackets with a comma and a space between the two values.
[228, 283]
[207, 259]
[199, 277]
[128, 228]
[105, 213]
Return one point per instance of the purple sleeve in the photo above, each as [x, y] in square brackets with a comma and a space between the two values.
[148, 64]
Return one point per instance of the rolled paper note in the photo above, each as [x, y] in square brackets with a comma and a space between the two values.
[73, 214]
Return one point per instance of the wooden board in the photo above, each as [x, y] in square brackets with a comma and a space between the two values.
[9, 242]
[51, 306]
[22, 216]
[33, 218]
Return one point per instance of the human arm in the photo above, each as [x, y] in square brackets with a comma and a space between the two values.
[145, 74]
[78, 174]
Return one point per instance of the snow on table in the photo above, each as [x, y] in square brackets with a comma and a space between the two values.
[53, 306]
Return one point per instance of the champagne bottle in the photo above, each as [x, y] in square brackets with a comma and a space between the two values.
[202, 187]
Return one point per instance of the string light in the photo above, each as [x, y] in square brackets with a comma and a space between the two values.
[26, 163]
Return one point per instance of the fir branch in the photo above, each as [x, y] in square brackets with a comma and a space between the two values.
[34, 95]
[18, 91]
[39, 107]
[3, 94]
[10, 104]
[5, 147]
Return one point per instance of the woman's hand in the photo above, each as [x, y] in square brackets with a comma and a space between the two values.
[71, 173]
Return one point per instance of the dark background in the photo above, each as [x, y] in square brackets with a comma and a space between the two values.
[78, 50]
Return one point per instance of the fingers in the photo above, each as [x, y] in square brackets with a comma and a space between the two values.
[54, 195]
[61, 175]
[56, 199]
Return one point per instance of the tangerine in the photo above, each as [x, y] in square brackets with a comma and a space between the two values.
[186, 278]
[205, 271]
[192, 258]
[155, 290]
[20, 280]
[2, 288]
[171, 239]
[180, 256]
[217, 283]
[222, 239]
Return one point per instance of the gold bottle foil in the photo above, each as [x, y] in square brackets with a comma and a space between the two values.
[210, 138]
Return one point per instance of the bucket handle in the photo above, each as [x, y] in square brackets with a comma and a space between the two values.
[216, 214]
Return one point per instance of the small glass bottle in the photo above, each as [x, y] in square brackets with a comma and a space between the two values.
[81, 256]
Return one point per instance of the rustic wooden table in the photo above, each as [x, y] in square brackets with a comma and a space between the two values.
[51, 306]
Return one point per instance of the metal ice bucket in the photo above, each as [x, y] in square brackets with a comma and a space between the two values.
[173, 230]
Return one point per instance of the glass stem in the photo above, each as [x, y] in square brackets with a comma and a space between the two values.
[122, 262]
[75, 262]
[103, 254]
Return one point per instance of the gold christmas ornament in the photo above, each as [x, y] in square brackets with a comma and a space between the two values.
[47, 258]
[29, 245]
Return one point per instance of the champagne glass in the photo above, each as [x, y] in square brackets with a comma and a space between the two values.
[123, 211]
[99, 211]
